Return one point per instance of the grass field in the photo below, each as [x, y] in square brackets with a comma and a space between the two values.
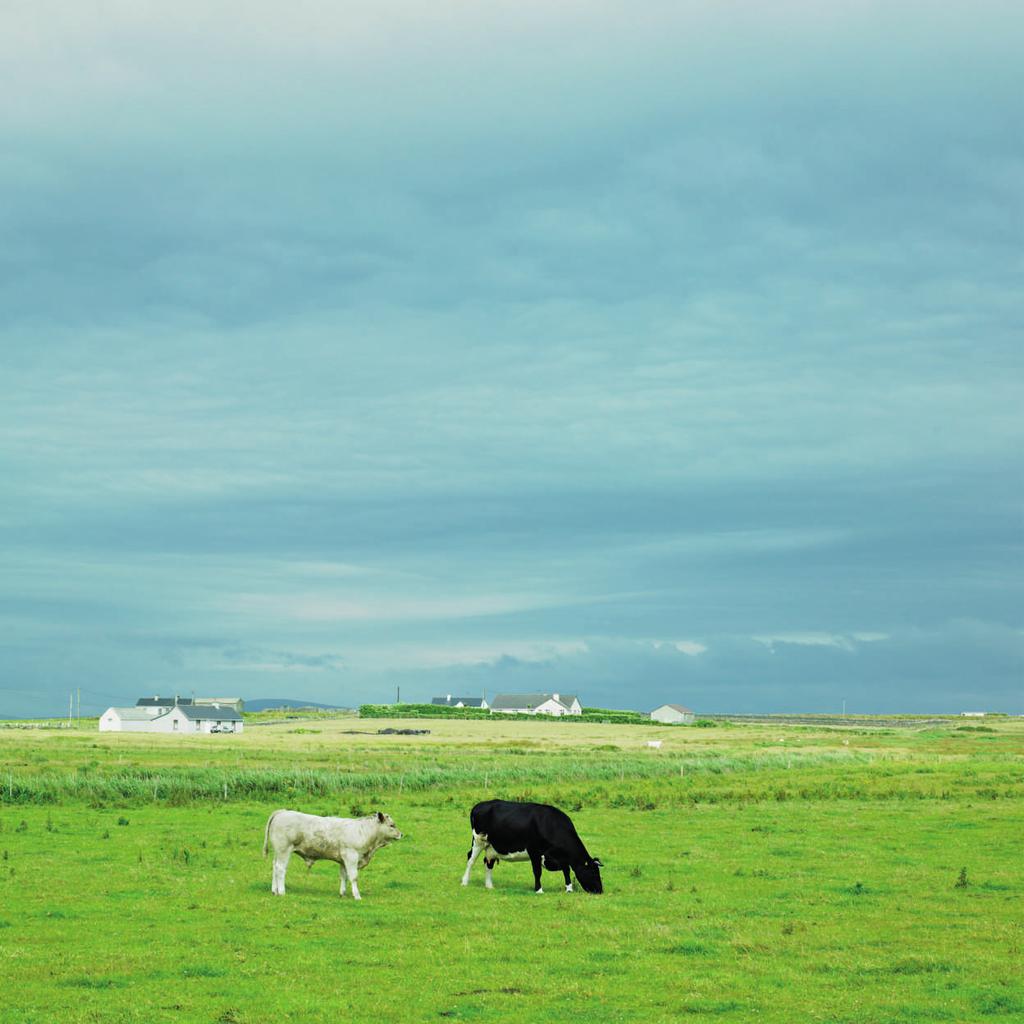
[768, 873]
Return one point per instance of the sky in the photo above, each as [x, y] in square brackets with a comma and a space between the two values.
[657, 353]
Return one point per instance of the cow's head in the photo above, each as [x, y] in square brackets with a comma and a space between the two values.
[387, 827]
[588, 873]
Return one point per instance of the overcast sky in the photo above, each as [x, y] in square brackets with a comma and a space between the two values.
[657, 352]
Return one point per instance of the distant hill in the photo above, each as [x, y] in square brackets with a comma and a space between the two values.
[273, 704]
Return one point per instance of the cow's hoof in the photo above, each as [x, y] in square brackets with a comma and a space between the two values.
[538, 892]
[568, 888]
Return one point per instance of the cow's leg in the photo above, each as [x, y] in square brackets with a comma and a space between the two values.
[341, 888]
[538, 865]
[475, 850]
[489, 863]
[568, 880]
[280, 867]
[351, 867]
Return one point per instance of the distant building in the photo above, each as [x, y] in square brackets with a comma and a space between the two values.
[972, 714]
[672, 714]
[183, 718]
[536, 704]
[449, 701]
[223, 702]
[169, 702]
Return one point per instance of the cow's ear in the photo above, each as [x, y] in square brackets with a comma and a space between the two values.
[380, 817]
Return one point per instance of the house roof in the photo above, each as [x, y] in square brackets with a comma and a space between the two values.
[675, 707]
[450, 702]
[135, 714]
[208, 712]
[529, 701]
[162, 702]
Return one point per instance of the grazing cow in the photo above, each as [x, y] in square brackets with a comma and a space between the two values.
[539, 833]
[654, 744]
[349, 842]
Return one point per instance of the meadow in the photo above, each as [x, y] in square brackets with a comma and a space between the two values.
[840, 873]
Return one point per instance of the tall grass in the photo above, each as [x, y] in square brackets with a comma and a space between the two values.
[610, 779]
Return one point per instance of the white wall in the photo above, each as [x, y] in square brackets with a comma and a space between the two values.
[549, 707]
[209, 725]
[166, 723]
[111, 721]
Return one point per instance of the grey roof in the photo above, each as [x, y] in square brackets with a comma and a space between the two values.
[529, 701]
[135, 714]
[162, 702]
[207, 712]
[676, 707]
[450, 702]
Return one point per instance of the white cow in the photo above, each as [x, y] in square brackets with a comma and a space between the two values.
[654, 744]
[349, 842]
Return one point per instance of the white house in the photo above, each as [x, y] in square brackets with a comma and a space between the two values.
[449, 701]
[972, 714]
[672, 714]
[183, 718]
[536, 704]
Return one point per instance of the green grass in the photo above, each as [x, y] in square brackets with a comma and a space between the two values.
[873, 880]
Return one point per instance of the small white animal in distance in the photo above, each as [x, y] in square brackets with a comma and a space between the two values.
[654, 744]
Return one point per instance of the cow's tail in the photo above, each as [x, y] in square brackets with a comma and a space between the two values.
[266, 832]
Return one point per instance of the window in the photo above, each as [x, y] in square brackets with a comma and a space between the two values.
[174, 725]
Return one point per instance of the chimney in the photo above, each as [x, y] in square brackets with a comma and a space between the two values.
[555, 695]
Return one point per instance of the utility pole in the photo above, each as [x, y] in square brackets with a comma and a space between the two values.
[71, 707]
[79, 707]
[398, 695]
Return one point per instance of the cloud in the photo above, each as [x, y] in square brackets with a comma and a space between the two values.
[508, 337]
[910, 671]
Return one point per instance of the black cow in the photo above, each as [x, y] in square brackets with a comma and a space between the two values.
[539, 833]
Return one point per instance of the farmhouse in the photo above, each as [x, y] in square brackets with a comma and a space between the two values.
[536, 704]
[190, 718]
[460, 702]
[672, 714]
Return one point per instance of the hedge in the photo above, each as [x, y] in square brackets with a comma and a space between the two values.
[608, 716]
